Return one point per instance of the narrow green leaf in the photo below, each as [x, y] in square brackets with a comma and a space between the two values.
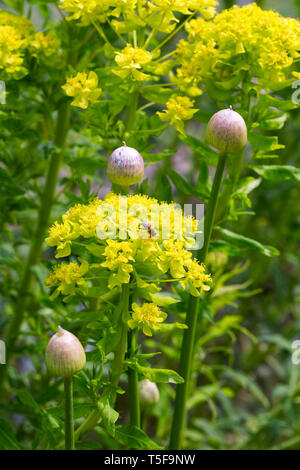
[134, 438]
[186, 188]
[8, 441]
[277, 172]
[245, 242]
[158, 375]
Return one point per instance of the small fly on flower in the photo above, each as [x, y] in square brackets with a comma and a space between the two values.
[147, 226]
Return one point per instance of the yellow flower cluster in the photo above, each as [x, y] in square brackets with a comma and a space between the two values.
[17, 35]
[135, 247]
[67, 277]
[118, 256]
[146, 317]
[130, 60]
[45, 42]
[158, 14]
[11, 51]
[83, 88]
[179, 109]
[241, 39]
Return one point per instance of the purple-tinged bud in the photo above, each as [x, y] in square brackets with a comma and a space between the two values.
[149, 393]
[125, 166]
[227, 131]
[65, 355]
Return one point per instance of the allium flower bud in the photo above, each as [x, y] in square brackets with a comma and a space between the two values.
[227, 131]
[64, 355]
[125, 166]
[149, 393]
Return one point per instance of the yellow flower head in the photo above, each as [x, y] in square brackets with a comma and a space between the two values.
[20, 23]
[239, 39]
[196, 278]
[130, 60]
[11, 50]
[179, 109]
[158, 14]
[84, 89]
[99, 228]
[46, 43]
[60, 236]
[174, 257]
[147, 317]
[66, 277]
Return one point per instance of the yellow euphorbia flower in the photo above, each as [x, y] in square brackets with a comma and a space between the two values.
[179, 109]
[196, 278]
[130, 60]
[45, 42]
[66, 277]
[174, 257]
[122, 257]
[158, 14]
[239, 39]
[147, 317]
[84, 89]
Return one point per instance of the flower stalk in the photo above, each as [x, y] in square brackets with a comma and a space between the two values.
[133, 384]
[69, 414]
[187, 349]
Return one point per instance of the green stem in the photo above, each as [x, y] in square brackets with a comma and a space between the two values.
[188, 342]
[14, 325]
[229, 188]
[69, 414]
[211, 208]
[117, 189]
[133, 385]
[131, 110]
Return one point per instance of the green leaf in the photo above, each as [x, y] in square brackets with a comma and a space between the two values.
[277, 172]
[248, 383]
[162, 299]
[283, 105]
[274, 123]
[157, 94]
[201, 149]
[108, 414]
[165, 190]
[157, 157]
[8, 441]
[248, 184]
[245, 242]
[167, 327]
[27, 399]
[134, 438]
[158, 375]
[186, 188]
[263, 143]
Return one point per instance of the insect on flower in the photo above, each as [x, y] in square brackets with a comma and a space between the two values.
[148, 227]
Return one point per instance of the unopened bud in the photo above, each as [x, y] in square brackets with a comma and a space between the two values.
[64, 355]
[125, 166]
[227, 131]
[149, 393]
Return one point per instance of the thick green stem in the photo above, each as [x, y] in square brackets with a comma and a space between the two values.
[188, 342]
[37, 240]
[131, 110]
[229, 188]
[69, 414]
[133, 385]
[117, 189]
